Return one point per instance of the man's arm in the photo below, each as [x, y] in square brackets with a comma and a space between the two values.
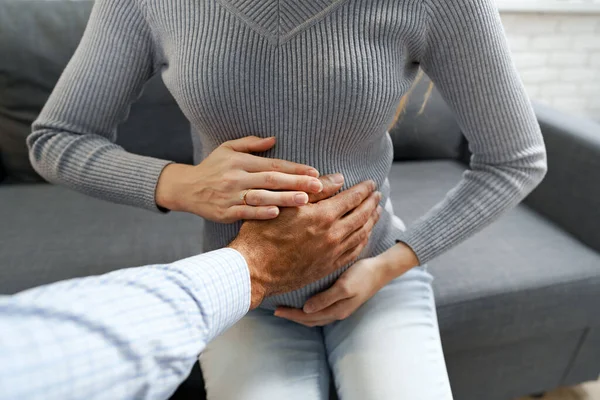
[133, 333]
[136, 333]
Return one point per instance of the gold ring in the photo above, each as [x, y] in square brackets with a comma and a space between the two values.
[243, 196]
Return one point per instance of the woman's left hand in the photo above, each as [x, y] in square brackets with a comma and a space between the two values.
[356, 285]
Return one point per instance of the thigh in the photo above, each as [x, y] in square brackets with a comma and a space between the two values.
[263, 357]
[390, 348]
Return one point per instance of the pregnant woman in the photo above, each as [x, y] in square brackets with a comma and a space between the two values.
[322, 78]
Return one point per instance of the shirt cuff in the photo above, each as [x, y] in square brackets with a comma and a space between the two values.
[221, 287]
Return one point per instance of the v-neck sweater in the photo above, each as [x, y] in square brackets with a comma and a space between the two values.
[323, 76]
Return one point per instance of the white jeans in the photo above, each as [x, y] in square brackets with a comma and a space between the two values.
[388, 349]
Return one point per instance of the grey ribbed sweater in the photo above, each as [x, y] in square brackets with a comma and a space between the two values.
[323, 76]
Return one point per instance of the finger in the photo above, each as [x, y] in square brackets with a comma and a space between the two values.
[339, 310]
[291, 313]
[331, 185]
[363, 233]
[259, 197]
[335, 312]
[299, 317]
[260, 164]
[352, 254]
[283, 181]
[348, 200]
[237, 213]
[324, 299]
[313, 324]
[250, 144]
[358, 218]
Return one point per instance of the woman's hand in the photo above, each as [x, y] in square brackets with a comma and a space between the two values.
[231, 184]
[357, 285]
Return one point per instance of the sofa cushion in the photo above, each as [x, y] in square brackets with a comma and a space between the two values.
[520, 277]
[50, 233]
[37, 39]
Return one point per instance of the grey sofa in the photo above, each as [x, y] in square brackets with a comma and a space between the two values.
[518, 304]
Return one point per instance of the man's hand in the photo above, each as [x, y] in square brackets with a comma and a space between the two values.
[307, 243]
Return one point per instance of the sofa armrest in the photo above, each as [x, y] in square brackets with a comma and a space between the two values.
[570, 193]
[2, 172]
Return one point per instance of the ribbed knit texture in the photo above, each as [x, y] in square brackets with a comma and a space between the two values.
[323, 76]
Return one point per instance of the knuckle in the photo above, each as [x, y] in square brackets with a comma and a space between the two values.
[330, 239]
[363, 243]
[363, 218]
[271, 179]
[255, 198]
[223, 214]
[333, 238]
[228, 181]
[276, 165]
[239, 213]
[304, 182]
[362, 236]
[345, 288]
[329, 217]
[352, 242]
[373, 218]
[237, 161]
[326, 218]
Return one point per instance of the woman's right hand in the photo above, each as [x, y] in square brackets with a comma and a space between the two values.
[231, 184]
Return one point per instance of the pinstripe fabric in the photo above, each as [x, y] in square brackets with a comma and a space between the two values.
[130, 334]
[323, 76]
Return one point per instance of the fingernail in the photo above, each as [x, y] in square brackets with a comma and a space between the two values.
[301, 198]
[314, 173]
[379, 210]
[273, 212]
[378, 195]
[373, 185]
[315, 186]
[308, 308]
[338, 179]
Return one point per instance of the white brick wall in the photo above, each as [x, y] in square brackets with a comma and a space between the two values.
[558, 56]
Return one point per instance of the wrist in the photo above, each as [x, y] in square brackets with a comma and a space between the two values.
[256, 268]
[397, 260]
[169, 186]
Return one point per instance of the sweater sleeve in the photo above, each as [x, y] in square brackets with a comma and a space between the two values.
[72, 142]
[467, 57]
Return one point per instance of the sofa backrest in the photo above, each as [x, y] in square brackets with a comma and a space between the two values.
[37, 39]
[429, 132]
